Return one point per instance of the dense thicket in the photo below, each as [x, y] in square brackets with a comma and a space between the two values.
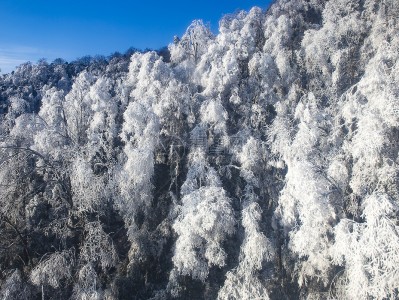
[258, 163]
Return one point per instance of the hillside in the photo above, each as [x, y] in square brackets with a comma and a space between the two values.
[258, 163]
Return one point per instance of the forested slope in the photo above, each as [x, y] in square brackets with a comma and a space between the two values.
[261, 162]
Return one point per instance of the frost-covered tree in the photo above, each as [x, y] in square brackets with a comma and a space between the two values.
[98, 247]
[304, 210]
[87, 286]
[193, 43]
[103, 129]
[245, 281]
[206, 220]
[53, 270]
[140, 134]
[368, 251]
[77, 108]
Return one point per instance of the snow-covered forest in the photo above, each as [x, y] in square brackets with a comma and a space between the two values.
[258, 163]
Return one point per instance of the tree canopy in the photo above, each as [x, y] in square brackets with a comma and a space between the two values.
[260, 162]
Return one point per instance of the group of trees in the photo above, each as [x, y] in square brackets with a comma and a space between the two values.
[258, 163]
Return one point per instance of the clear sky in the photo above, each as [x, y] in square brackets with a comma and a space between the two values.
[34, 29]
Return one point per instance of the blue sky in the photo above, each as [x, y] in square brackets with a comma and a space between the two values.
[34, 29]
